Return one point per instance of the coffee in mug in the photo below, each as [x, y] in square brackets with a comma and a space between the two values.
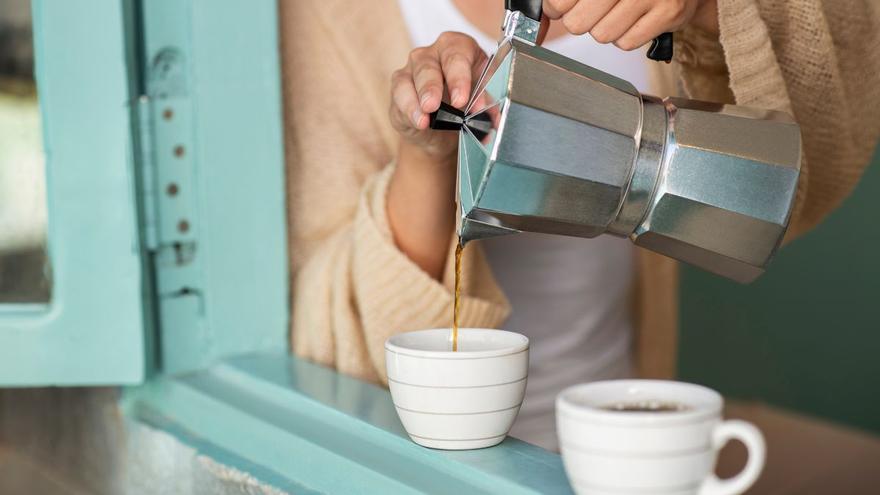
[650, 436]
[457, 400]
[646, 406]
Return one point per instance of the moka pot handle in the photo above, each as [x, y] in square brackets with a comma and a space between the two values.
[660, 49]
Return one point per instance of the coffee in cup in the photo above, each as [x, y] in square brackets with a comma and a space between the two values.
[650, 436]
[462, 399]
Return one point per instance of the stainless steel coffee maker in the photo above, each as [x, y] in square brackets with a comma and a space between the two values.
[554, 146]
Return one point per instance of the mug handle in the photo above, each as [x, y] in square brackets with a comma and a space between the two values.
[749, 435]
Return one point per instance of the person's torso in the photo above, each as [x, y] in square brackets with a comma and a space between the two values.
[570, 296]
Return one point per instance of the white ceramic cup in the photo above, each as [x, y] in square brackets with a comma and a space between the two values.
[666, 453]
[467, 399]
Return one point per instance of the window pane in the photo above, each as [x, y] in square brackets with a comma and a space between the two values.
[24, 265]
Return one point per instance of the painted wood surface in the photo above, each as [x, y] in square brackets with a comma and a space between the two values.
[217, 136]
[92, 330]
[309, 426]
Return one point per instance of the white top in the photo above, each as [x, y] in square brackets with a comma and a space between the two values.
[570, 296]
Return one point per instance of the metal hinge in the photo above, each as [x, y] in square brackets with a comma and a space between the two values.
[147, 169]
[166, 161]
[169, 195]
[167, 177]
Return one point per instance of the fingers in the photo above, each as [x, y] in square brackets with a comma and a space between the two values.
[459, 56]
[457, 69]
[628, 24]
[618, 20]
[453, 61]
[583, 16]
[640, 33]
[450, 60]
[666, 17]
[554, 9]
[406, 112]
[427, 77]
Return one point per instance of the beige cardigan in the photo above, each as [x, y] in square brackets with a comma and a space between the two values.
[352, 288]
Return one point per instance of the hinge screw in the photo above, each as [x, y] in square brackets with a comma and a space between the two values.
[179, 151]
[183, 226]
[167, 114]
[172, 189]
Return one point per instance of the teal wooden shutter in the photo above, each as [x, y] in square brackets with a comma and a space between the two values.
[92, 330]
[213, 134]
[166, 205]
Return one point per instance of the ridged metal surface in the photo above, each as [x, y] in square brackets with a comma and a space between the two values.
[578, 152]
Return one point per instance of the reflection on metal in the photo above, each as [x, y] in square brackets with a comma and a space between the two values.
[724, 197]
[559, 158]
[575, 151]
[518, 25]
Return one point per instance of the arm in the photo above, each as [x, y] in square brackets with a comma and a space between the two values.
[421, 195]
[352, 285]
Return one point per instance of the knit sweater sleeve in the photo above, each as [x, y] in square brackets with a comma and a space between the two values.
[816, 60]
[352, 287]
[357, 289]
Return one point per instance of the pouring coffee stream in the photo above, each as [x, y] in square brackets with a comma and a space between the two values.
[459, 248]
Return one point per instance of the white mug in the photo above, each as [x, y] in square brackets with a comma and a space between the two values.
[457, 400]
[672, 452]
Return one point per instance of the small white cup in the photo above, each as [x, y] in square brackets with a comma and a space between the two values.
[668, 453]
[467, 399]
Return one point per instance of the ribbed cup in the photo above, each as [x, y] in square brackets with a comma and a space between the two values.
[460, 400]
[613, 452]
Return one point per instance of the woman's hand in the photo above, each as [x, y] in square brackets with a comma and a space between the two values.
[421, 194]
[630, 24]
[453, 62]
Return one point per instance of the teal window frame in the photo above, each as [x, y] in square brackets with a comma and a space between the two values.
[228, 385]
[249, 403]
[304, 428]
[210, 152]
[194, 321]
[92, 330]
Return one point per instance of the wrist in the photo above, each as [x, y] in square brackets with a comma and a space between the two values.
[421, 207]
[417, 159]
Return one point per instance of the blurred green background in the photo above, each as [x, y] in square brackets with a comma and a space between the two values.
[806, 335]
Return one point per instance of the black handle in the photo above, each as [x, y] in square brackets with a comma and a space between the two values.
[446, 118]
[660, 50]
[449, 118]
[531, 8]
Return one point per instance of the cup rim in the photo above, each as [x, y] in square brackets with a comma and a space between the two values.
[713, 403]
[393, 344]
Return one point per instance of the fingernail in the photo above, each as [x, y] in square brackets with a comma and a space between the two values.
[455, 95]
[424, 98]
[416, 117]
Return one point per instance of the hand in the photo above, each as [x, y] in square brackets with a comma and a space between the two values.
[630, 24]
[417, 89]
[421, 195]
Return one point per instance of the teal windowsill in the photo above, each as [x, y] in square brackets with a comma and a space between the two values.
[303, 427]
